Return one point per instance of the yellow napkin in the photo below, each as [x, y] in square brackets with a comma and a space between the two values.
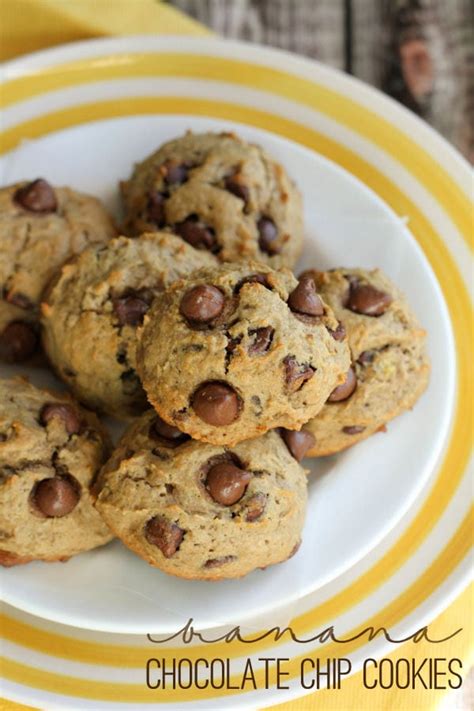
[29, 25]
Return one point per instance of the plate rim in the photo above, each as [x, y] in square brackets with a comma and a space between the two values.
[454, 155]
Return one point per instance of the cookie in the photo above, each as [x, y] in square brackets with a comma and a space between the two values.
[92, 311]
[232, 352]
[219, 194]
[390, 368]
[199, 511]
[40, 227]
[50, 452]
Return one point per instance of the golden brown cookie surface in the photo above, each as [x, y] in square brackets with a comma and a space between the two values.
[221, 195]
[91, 315]
[50, 452]
[199, 511]
[232, 352]
[390, 368]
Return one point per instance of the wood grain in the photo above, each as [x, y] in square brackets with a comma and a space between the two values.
[421, 52]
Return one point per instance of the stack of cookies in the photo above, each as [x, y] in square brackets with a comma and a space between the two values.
[192, 327]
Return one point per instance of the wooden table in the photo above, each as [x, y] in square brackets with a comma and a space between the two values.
[421, 52]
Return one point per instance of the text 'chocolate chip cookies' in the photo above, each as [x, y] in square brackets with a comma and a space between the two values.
[200, 511]
[50, 452]
[92, 311]
[232, 352]
[40, 227]
[221, 195]
[390, 368]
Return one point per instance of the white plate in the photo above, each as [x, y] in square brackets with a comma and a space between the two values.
[355, 498]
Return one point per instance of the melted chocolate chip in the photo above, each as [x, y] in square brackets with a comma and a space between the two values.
[37, 196]
[252, 279]
[296, 374]
[216, 403]
[217, 562]
[298, 443]
[345, 389]
[339, 333]
[164, 534]
[176, 173]
[196, 233]
[56, 497]
[233, 183]
[353, 429]
[255, 506]
[167, 434]
[18, 341]
[268, 234]
[202, 303]
[156, 208]
[130, 309]
[66, 413]
[227, 483]
[263, 338]
[366, 357]
[367, 300]
[304, 299]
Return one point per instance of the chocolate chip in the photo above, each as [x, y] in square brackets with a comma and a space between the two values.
[367, 300]
[366, 357]
[227, 483]
[217, 562]
[296, 374]
[196, 233]
[339, 333]
[156, 208]
[345, 390]
[20, 300]
[66, 413]
[176, 173]
[353, 429]
[37, 196]
[130, 309]
[267, 235]
[304, 299]
[164, 534]
[56, 497]
[167, 434]
[263, 338]
[255, 506]
[216, 403]
[18, 342]
[202, 303]
[233, 183]
[298, 443]
[252, 279]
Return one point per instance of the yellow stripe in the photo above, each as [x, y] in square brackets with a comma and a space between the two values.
[446, 562]
[444, 189]
[458, 301]
[309, 93]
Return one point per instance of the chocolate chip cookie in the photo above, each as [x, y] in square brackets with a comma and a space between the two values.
[230, 353]
[219, 194]
[199, 511]
[40, 227]
[92, 311]
[390, 368]
[50, 452]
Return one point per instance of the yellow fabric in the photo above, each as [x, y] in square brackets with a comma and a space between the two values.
[29, 25]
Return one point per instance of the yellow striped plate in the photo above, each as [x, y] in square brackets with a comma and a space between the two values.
[419, 566]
